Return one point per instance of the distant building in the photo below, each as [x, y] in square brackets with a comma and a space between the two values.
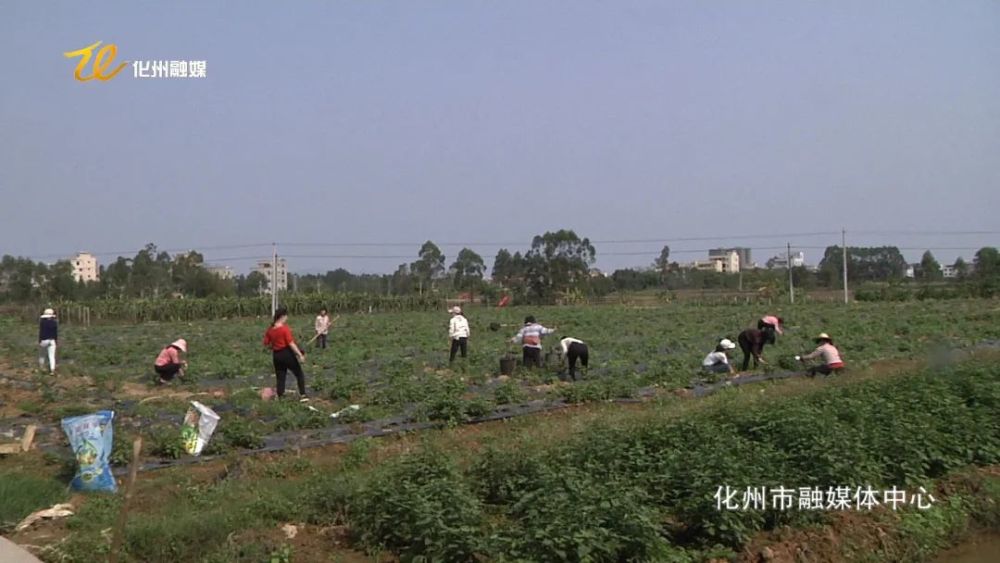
[781, 261]
[85, 267]
[911, 270]
[266, 269]
[742, 252]
[724, 263]
[223, 272]
[949, 271]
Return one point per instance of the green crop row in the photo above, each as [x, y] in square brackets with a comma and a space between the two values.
[643, 489]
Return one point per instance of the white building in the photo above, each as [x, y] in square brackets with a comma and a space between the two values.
[724, 263]
[265, 267]
[949, 271]
[781, 261]
[223, 272]
[85, 267]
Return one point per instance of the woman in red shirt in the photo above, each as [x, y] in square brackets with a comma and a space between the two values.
[286, 354]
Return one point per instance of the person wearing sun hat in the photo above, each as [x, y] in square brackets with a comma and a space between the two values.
[48, 335]
[718, 361]
[829, 353]
[458, 333]
[169, 363]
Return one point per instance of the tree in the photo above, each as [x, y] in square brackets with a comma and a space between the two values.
[930, 269]
[662, 263]
[961, 268]
[987, 263]
[251, 285]
[558, 262]
[467, 271]
[881, 263]
[430, 265]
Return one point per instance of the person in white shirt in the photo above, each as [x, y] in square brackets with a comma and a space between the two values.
[718, 361]
[458, 332]
[322, 327]
[573, 350]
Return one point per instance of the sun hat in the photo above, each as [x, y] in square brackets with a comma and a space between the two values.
[48, 313]
[727, 344]
[181, 344]
[823, 336]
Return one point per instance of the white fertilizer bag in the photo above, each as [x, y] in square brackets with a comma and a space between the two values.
[199, 424]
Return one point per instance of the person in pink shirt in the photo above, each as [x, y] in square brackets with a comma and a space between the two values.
[169, 362]
[826, 351]
[771, 325]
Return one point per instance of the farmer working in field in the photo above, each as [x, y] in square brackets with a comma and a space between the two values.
[718, 361]
[771, 325]
[48, 334]
[458, 333]
[752, 342]
[285, 353]
[322, 327]
[832, 362]
[530, 337]
[573, 350]
[169, 362]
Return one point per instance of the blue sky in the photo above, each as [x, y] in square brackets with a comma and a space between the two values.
[491, 122]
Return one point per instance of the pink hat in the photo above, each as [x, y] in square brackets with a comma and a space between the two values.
[181, 344]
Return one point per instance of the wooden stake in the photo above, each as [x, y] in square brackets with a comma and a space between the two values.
[119, 534]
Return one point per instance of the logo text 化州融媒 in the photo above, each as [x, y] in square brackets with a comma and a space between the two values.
[140, 69]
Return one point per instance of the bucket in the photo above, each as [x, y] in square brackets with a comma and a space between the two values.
[507, 365]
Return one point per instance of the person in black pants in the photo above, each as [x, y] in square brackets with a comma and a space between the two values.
[573, 350]
[458, 333]
[752, 343]
[286, 354]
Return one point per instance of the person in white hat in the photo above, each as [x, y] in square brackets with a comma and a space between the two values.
[832, 362]
[169, 362]
[718, 361]
[458, 333]
[48, 335]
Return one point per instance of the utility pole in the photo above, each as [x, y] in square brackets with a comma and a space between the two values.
[843, 245]
[791, 284]
[274, 278]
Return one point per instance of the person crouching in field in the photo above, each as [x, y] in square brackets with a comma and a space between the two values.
[48, 334]
[285, 353]
[832, 362]
[752, 343]
[322, 327]
[718, 361]
[458, 333]
[530, 337]
[771, 325]
[169, 362]
[573, 350]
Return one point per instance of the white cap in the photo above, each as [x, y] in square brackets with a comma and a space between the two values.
[48, 313]
[456, 310]
[727, 344]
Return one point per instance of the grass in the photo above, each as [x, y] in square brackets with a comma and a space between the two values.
[22, 493]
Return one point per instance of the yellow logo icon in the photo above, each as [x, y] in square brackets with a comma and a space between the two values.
[105, 57]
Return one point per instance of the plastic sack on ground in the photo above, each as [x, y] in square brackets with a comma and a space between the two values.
[199, 424]
[91, 438]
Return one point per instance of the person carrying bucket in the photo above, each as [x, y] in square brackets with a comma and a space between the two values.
[832, 361]
[169, 362]
[530, 337]
[285, 353]
[718, 361]
[48, 335]
[458, 333]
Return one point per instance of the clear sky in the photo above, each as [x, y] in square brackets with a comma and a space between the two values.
[491, 122]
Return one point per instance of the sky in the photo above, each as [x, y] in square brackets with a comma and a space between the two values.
[351, 132]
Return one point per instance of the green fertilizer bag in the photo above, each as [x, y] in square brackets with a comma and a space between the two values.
[90, 436]
[199, 424]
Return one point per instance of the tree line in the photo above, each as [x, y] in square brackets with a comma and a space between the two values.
[555, 267]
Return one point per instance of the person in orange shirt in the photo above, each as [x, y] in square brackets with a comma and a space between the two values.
[169, 362]
[285, 353]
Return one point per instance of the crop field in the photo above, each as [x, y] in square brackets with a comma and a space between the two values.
[605, 482]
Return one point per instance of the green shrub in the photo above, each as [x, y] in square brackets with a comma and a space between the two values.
[21, 494]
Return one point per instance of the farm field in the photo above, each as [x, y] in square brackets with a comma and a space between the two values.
[465, 490]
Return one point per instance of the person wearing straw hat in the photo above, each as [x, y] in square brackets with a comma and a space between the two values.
[718, 361]
[832, 361]
[48, 334]
[169, 362]
[458, 333]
